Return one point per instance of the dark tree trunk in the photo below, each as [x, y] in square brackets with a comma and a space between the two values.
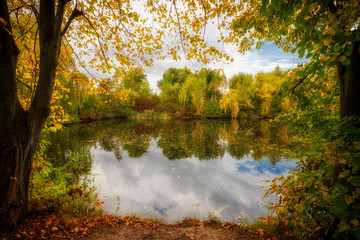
[20, 130]
[349, 77]
[14, 170]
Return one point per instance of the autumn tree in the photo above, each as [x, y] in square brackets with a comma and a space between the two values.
[108, 33]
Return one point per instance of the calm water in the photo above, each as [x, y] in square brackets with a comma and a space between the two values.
[178, 169]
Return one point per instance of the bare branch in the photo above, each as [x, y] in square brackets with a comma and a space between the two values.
[24, 33]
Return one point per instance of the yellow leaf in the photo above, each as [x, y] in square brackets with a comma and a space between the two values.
[342, 58]
[327, 42]
[355, 222]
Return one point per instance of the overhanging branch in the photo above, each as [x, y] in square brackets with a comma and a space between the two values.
[98, 37]
[75, 13]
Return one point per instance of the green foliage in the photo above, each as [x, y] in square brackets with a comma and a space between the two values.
[173, 76]
[248, 96]
[169, 93]
[321, 199]
[212, 109]
[58, 189]
[135, 80]
[241, 80]
[187, 89]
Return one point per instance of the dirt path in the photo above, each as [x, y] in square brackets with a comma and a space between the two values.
[164, 232]
[129, 228]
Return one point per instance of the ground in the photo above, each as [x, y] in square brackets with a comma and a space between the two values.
[164, 232]
[48, 226]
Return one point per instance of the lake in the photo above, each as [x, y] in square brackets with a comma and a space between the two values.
[182, 168]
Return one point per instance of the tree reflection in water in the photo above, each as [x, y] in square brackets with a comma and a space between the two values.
[213, 163]
[203, 139]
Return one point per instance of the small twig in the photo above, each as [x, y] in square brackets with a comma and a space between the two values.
[25, 84]
[180, 32]
[78, 58]
[98, 37]
[202, 1]
[15, 9]
[298, 83]
[24, 33]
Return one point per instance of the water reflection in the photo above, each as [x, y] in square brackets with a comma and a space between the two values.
[132, 168]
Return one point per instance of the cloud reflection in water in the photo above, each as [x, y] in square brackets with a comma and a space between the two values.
[154, 186]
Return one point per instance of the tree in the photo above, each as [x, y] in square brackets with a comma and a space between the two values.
[137, 81]
[264, 88]
[171, 83]
[103, 28]
[321, 197]
[174, 75]
[239, 96]
[327, 32]
[20, 129]
[215, 82]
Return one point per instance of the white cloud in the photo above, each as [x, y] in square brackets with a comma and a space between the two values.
[173, 190]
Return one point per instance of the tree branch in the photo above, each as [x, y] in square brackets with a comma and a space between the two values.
[78, 58]
[205, 16]
[98, 37]
[298, 83]
[60, 16]
[180, 32]
[15, 9]
[75, 13]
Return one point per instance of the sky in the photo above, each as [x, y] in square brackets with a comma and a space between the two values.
[264, 59]
[254, 61]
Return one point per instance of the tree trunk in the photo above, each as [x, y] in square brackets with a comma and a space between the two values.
[349, 77]
[20, 130]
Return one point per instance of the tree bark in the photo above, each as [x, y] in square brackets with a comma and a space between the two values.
[20, 130]
[349, 78]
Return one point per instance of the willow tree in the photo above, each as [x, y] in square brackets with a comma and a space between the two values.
[107, 33]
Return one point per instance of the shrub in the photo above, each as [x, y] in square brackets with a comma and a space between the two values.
[57, 189]
[142, 104]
